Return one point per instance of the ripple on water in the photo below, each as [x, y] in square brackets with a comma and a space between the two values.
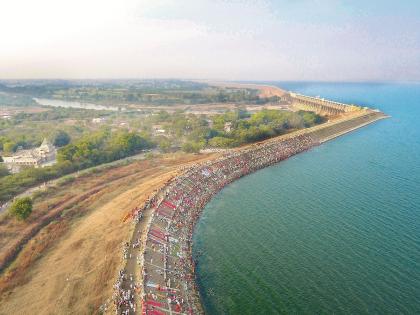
[333, 230]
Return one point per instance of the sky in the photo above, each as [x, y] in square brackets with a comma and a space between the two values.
[325, 40]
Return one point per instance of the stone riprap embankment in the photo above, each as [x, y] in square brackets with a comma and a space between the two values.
[166, 266]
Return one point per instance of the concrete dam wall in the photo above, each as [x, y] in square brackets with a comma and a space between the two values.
[319, 105]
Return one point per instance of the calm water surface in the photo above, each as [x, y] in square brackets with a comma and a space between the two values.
[73, 104]
[335, 230]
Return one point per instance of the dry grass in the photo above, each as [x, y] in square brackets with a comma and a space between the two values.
[69, 265]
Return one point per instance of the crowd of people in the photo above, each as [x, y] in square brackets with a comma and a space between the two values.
[166, 264]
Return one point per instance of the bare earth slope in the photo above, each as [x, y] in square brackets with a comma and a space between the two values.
[264, 90]
[75, 274]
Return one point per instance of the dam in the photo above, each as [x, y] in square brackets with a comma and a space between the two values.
[320, 105]
[166, 269]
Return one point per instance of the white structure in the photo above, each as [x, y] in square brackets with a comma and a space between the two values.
[45, 154]
[98, 120]
[5, 116]
[158, 130]
[228, 127]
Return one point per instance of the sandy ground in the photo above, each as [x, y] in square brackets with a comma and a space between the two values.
[265, 90]
[13, 110]
[75, 275]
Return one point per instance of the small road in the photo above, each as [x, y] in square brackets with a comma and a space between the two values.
[51, 183]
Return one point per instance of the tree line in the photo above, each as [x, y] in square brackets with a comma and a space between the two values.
[234, 128]
[187, 131]
[100, 147]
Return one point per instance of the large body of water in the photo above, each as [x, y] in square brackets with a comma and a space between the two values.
[335, 230]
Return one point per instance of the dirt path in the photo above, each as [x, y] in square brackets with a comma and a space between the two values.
[133, 264]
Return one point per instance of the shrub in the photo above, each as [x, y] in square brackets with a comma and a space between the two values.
[61, 139]
[3, 170]
[149, 156]
[191, 147]
[21, 208]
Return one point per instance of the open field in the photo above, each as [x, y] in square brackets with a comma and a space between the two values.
[263, 90]
[13, 110]
[69, 265]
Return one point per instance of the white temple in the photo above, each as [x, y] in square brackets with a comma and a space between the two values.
[44, 155]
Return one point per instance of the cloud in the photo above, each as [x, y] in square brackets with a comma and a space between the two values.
[237, 39]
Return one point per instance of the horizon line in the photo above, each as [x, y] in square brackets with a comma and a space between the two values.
[203, 80]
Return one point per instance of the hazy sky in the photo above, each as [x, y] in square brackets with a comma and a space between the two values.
[216, 39]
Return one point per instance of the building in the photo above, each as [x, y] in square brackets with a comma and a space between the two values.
[5, 116]
[98, 120]
[158, 130]
[44, 155]
[228, 127]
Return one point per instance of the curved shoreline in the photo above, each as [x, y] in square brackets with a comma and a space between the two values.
[167, 268]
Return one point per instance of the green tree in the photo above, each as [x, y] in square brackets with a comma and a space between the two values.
[221, 142]
[162, 116]
[310, 118]
[9, 147]
[164, 144]
[191, 147]
[61, 139]
[3, 170]
[21, 208]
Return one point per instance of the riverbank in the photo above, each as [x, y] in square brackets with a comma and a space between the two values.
[166, 267]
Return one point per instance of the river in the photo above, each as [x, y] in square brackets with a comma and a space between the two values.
[73, 104]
